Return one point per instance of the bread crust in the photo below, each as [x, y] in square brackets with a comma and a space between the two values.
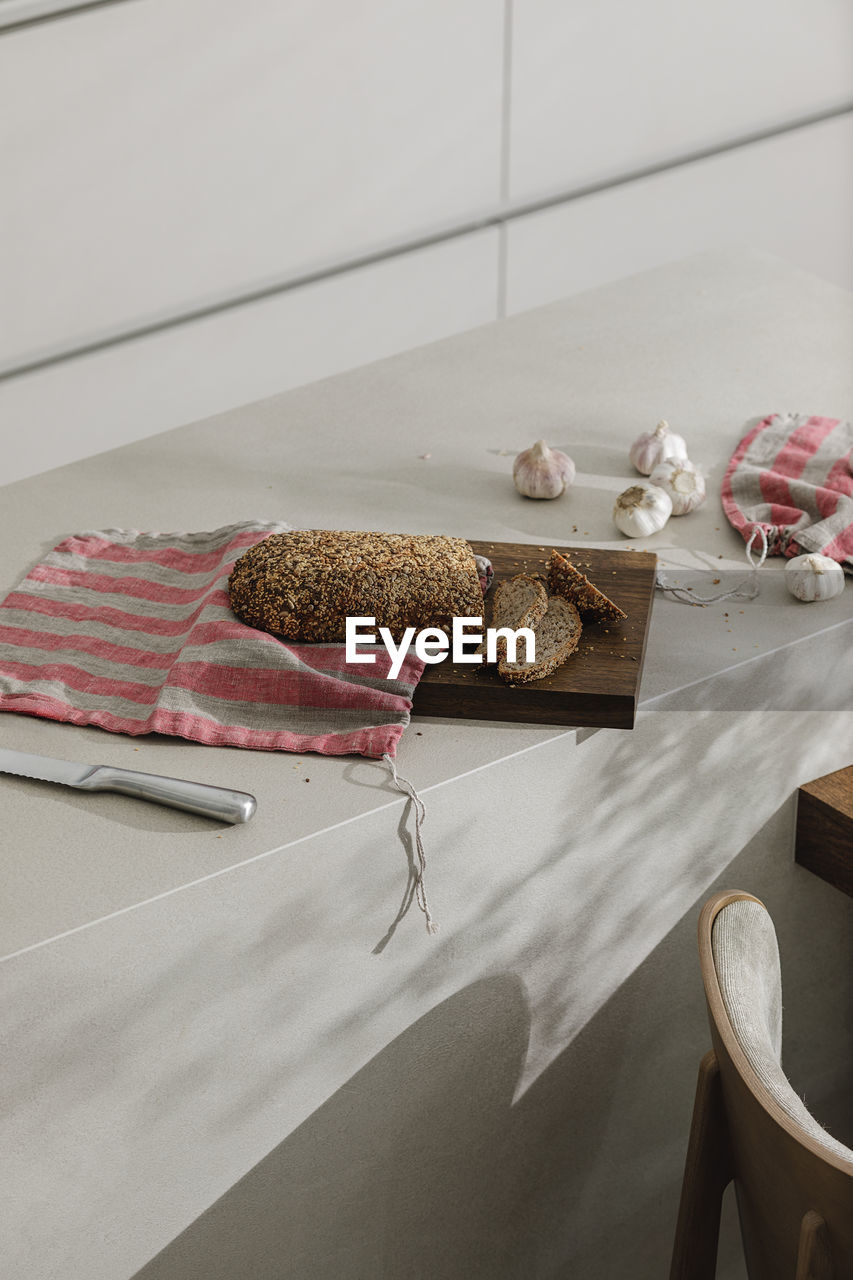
[567, 581]
[560, 613]
[304, 584]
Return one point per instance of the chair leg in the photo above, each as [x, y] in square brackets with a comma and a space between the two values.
[814, 1257]
[707, 1173]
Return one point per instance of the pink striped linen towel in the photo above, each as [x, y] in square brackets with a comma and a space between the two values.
[133, 632]
[790, 476]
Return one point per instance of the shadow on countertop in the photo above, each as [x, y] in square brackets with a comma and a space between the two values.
[394, 1174]
[422, 1165]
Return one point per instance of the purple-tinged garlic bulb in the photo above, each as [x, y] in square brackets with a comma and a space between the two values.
[653, 446]
[540, 472]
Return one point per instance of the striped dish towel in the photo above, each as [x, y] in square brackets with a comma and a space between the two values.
[790, 476]
[133, 632]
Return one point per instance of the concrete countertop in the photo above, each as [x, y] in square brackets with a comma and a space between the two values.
[121, 917]
[710, 344]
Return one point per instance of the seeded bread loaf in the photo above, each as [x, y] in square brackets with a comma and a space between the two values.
[567, 581]
[519, 602]
[557, 637]
[304, 584]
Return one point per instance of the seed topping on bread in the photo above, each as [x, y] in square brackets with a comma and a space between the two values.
[567, 581]
[305, 583]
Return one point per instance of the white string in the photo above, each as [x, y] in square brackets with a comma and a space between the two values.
[420, 888]
[748, 589]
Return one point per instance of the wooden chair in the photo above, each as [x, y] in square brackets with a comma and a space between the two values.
[793, 1181]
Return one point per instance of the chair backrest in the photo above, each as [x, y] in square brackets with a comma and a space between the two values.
[794, 1182]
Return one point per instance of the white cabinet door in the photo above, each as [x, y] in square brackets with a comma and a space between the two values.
[156, 154]
[601, 89]
[791, 195]
[81, 406]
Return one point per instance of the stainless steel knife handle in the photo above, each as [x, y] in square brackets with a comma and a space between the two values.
[196, 797]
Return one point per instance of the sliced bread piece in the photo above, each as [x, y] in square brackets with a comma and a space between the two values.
[519, 602]
[567, 581]
[557, 637]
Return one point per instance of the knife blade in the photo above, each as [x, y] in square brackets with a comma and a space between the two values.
[178, 793]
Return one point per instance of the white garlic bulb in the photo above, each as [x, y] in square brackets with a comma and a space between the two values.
[680, 479]
[814, 577]
[653, 446]
[642, 510]
[540, 472]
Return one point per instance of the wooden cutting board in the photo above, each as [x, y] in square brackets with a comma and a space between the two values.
[597, 686]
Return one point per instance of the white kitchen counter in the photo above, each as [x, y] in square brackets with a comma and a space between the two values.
[186, 1005]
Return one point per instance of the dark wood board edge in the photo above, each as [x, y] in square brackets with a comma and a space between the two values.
[529, 705]
[834, 789]
[587, 711]
[649, 606]
[823, 843]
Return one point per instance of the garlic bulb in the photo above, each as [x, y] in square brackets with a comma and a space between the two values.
[680, 479]
[814, 577]
[653, 446]
[541, 472]
[641, 510]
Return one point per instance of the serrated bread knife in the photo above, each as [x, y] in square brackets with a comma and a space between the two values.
[197, 797]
